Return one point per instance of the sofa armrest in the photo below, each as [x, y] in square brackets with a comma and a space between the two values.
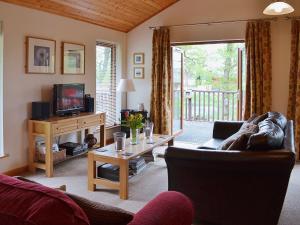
[168, 208]
[224, 129]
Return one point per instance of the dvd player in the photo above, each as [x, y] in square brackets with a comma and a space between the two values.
[74, 148]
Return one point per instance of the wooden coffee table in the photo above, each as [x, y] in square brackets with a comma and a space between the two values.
[122, 160]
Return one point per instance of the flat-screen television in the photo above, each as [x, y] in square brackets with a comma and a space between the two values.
[68, 99]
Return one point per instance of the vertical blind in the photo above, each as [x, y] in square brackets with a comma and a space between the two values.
[106, 81]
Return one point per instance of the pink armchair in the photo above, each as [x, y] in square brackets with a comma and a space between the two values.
[29, 203]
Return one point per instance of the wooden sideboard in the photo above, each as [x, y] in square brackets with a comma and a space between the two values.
[56, 126]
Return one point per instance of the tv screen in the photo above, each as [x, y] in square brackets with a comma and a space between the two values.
[68, 98]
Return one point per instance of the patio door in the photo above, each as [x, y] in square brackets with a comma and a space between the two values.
[178, 94]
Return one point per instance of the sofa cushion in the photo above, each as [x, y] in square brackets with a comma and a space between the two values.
[278, 119]
[212, 144]
[240, 143]
[247, 128]
[33, 204]
[100, 214]
[270, 136]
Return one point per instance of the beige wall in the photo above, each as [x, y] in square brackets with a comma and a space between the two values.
[20, 89]
[192, 11]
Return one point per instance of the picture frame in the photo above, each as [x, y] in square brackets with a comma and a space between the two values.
[138, 58]
[40, 55]
[138, 73]
[73, 58]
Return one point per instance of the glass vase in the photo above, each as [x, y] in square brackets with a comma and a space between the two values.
[148, 129]
[120, 141]
[134, 136]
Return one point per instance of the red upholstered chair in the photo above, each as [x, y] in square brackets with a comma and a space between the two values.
[26, 203]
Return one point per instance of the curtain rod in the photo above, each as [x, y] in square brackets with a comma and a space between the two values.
[224, 21]
[292, 17]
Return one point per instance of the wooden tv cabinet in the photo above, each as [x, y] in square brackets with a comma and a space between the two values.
[56, 126]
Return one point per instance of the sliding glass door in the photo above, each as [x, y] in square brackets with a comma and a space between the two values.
[177, 98]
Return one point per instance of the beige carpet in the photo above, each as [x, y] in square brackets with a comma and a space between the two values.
[146, 186]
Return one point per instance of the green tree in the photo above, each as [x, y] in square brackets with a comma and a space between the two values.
[195, 66]
[228, 53]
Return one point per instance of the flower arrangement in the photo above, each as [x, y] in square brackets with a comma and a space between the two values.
[134, 121]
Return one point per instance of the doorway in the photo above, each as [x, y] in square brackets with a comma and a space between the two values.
[208, 85]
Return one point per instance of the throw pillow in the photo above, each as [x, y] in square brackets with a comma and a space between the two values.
[259, 118]
[245, 129]
[100, 214]
[270, 136]
[240, 143]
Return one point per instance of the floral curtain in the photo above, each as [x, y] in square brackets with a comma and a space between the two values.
[160, 112]
[293, 111]
[259, 72]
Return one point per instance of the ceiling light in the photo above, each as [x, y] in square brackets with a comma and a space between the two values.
[278, 8]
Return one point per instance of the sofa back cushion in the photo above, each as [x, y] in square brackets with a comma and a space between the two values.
[101, 214]
[270, 136]
[33, 204]
[278, 118]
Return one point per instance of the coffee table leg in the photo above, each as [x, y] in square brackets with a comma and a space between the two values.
[124, 171]
[91, 172]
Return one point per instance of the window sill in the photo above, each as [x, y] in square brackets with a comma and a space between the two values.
[4, 156]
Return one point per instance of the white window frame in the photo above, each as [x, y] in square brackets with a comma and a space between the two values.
[113, 46]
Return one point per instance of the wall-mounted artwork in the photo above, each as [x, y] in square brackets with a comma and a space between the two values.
[73, 58]
[40, 55]
[138, 58]
[138, 72]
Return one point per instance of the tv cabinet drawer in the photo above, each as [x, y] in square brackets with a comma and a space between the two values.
[91, 121]
[65, 127]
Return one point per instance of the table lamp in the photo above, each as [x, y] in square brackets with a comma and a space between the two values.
[126, 85]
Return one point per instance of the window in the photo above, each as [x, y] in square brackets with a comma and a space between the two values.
[106, 81]
[1, 91]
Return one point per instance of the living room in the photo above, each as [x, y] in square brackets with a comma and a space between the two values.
[189, 22]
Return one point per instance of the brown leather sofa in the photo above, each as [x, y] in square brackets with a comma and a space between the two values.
[233, 187]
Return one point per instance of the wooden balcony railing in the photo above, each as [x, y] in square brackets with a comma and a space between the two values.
[207, 105]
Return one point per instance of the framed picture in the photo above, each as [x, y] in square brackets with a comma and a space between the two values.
[40, 55]
[73, 58]
[138, 72]
[138, 58]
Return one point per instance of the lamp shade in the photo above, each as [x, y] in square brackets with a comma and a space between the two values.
[278, 8]
[126, 85]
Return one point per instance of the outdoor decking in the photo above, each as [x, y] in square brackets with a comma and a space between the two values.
[196, 132]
